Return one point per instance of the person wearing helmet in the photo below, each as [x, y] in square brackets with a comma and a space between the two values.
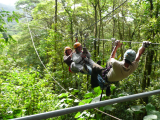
[68, 60]
[118, 70]
[67, 55]
[82, 58]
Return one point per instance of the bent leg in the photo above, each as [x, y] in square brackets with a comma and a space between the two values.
[97, 69]
[76, 67]
[89, 69]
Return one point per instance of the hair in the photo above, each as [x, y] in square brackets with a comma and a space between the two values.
[127, 61]
[65, 52]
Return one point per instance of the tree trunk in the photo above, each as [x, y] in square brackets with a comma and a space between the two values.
[113, 19]
[55, 38]
[71, 30]
[103, 44]
[95, 30]
[149, 59]
[100, 15]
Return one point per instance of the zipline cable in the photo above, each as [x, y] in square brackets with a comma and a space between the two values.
[54, 78]
[95, 39]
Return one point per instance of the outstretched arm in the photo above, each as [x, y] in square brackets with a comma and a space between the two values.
[141, 50]
[117, 45]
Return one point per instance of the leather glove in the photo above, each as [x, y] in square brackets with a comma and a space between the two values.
[85, 50]
[145, 44]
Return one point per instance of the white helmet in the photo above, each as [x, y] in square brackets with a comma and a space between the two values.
[130, 55]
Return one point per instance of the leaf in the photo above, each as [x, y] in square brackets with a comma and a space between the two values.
[150, 117]
[96, 99]
[80, 119]
[109, 107]
[63, 105]
[88, 95]
[6, 39]
[149, 108]
[1, 30]
[137, 107]
[83, 115]
[85, 101]
[113, 87]
[154, 112]
[97, 90]
[5, 35]
[118, 58]
[76, 100]
[16, 19]
[123, 94]
[77, 115]
[17, 112]
[75, 91]
[71, 89]
[69, 100]
[63, 95]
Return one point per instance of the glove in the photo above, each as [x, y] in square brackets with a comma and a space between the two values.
[83, 55]
[85, 50]
[117, 43]
[145, 44]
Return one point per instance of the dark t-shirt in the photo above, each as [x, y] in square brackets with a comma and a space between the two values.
[67, 60]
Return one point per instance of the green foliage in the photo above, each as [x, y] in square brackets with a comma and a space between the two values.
[150, 117]
[24, 93]
[10, 17]
[63, 95]
[27, 88]
[97, 91]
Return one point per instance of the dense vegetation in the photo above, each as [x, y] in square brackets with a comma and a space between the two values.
[27, 87]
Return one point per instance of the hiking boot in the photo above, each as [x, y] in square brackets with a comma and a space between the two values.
[99, 62]
[108, 91]
[81, 71]
[85, 69]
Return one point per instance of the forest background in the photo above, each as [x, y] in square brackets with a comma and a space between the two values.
[30, 86]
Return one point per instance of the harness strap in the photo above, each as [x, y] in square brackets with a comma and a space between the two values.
[104, 76]
[81, 61]
[105, 72]
[70, 69]
[101, 95]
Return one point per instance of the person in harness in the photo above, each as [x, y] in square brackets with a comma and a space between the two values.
[67, 58]
[82, 59]
[118, 70]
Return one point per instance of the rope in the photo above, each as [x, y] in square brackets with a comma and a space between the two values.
[54, 78]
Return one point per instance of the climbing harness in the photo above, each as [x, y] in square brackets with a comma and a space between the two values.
[104, 83]
[70, 69]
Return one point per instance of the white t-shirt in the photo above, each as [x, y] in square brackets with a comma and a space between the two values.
[76, 57]
[119, 71]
